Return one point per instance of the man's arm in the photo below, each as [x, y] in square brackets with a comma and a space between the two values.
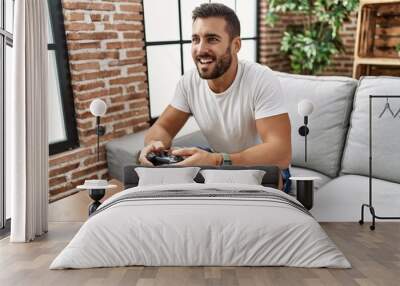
[160, 135]
[276, 149]
[167, 126]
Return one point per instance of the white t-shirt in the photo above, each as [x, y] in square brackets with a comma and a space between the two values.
[227, 119]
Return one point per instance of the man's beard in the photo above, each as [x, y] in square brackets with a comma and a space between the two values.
[222, 65]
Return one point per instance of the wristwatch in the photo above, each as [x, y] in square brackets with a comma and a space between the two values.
[226, 159]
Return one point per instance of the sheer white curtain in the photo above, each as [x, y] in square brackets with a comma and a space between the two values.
[26, 119]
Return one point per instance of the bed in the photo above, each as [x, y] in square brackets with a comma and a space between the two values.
[201, 224]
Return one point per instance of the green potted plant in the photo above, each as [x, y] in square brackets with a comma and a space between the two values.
[398, 49]
[311, 46]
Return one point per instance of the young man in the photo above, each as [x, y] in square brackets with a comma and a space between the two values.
[239, 106]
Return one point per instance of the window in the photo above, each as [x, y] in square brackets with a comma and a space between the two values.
[62, 124]
[6, 44]
[168, 43]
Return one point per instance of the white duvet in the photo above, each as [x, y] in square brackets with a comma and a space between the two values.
[183, 231]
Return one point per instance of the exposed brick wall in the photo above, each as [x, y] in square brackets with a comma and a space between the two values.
[342, 64]
[107, 61]
[270, 39]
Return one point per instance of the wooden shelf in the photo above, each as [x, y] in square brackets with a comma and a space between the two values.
[366, 2]
[378, 61]
[376, 37]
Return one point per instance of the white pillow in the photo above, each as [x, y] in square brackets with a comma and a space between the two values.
[164, 176]
[248, 177]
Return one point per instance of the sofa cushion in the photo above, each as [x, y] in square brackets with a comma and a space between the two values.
[125, 150]
[385, 131]
[332, 98]
[341, 199]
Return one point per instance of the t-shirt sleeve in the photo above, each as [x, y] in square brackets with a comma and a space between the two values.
[269, 99]
[180, 101]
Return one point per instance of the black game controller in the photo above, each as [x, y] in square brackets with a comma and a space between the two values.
[163, 158]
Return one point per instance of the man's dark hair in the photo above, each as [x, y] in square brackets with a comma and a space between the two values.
[207, 10]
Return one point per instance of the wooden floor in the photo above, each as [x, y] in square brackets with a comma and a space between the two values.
[374, 255]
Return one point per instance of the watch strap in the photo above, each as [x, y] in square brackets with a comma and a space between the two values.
[226, 159]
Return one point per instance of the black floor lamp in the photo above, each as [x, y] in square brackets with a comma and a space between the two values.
[305, 108]
[305, 185]
[98, 108]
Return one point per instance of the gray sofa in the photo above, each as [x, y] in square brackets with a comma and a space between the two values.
[337, 144]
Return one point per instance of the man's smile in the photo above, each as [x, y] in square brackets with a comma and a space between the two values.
[205, 61]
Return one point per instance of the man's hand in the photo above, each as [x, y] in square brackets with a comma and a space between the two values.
[153, 146]
[197, 157]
